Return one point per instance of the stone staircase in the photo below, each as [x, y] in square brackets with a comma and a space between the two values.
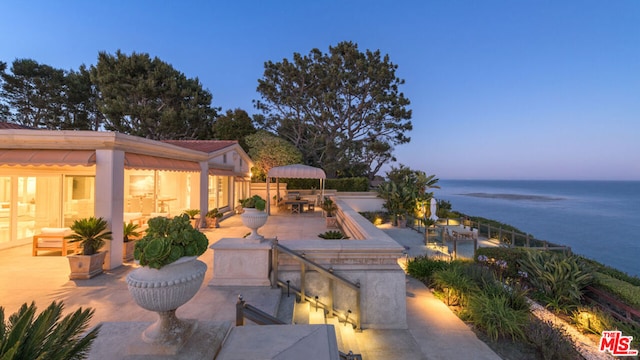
[306, 313]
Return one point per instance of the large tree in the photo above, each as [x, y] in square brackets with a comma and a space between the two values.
[34, 94]
[343, 109]
[268, 151]
[41, 96]
[147, 97]
[4, 108]
[81, 111]
[234, 125]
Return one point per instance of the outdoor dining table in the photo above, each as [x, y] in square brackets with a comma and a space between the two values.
[297, 206]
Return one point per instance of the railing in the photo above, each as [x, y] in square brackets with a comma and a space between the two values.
[276, 249]
[246, 311]
[505, 237]
[613, 306]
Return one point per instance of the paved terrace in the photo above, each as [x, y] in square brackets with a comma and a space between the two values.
[434, 331]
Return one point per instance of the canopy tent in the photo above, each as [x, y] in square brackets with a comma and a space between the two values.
[296, 171]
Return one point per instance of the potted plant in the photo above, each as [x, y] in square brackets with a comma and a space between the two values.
[192, 216]
[213, 218]
[253, 215]
[91, 234]
[129, 234]
[169, 276]
[329, 207]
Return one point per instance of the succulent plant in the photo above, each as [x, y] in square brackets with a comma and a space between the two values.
[255, 201]
[167, 240]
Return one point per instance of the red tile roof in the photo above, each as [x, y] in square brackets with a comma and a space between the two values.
[202, 145]
[8, 125]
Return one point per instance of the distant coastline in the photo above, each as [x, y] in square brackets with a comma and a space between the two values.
[512, 196]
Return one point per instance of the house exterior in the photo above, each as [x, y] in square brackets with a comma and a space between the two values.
[49, 178]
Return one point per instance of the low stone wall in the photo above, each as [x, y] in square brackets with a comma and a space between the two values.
[355, 225]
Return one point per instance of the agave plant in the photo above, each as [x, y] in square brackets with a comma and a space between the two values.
[46, 336]
[168, 240]
[333, 235]
[91, 233]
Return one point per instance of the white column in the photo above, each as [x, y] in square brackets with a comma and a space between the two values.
[204, 192]
[110, 200]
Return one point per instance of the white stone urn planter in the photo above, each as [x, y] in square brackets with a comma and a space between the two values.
[254, 219]
[163, 291]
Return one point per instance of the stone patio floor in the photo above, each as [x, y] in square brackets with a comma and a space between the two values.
[434, 331]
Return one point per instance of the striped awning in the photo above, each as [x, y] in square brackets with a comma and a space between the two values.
[146, 162]
[41, 157]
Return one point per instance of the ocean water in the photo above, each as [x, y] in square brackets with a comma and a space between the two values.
[598, 219]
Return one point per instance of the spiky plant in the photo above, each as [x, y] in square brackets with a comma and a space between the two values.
[192, 213]
[46, 336]
[91, 233]
[130, 230]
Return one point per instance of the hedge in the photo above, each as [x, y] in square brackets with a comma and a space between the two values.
[627, 293]
[343, 184]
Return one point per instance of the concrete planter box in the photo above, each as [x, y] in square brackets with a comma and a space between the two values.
[86, 266]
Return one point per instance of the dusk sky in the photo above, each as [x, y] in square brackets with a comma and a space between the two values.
[499, 89]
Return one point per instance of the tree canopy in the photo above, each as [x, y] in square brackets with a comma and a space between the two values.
[268, 151]
[147, 97]
[234, 125]
[343, 110]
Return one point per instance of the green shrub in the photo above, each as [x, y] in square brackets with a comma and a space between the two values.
[551, 342]
[46, 336]
[559, 279]
[343, 184]
[454, 283]
[627, 293]
[348, 184]
[493, 315]
[422, 268]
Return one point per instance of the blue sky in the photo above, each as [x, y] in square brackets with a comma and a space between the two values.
[498, 89]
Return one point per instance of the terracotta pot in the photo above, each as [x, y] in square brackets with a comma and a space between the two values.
[331, 221]
[86, 266]
[163, 291]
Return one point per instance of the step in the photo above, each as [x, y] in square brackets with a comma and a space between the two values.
[346, 336]
[301, 313]
[285, 308]
[316, 316]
